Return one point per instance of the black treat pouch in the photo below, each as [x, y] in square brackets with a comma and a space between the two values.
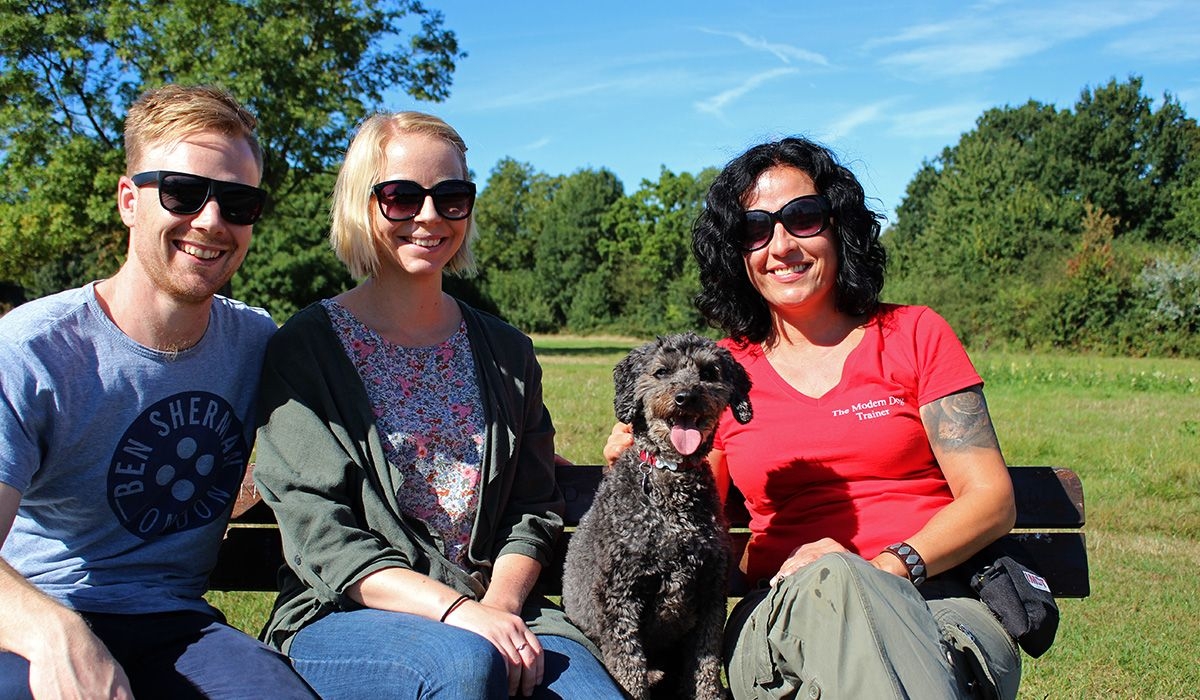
[1022, 601]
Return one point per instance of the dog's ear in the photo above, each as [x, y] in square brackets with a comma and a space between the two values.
[739, 398]
[625, 376]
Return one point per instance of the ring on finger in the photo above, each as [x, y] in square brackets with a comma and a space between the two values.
[523, 647]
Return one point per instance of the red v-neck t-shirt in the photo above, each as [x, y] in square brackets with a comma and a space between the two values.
[855, 464]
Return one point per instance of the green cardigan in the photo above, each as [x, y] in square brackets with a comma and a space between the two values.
[321, 467]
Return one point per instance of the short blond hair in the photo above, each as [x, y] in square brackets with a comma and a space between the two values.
[171, 113]
[350, 231]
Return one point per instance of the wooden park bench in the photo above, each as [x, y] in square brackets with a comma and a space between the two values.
[1049, 525]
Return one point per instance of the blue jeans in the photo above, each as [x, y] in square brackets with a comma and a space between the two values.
[179, 655]
[378, 654]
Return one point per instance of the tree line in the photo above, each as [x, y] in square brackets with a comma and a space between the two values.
[1042, 228]
[309, 70]
[1075, 228]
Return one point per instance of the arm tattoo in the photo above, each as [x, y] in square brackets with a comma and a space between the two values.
[960, 421]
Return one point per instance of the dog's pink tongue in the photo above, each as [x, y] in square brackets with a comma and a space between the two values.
[686, 439]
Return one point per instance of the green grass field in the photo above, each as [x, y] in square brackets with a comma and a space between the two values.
[1129, 427]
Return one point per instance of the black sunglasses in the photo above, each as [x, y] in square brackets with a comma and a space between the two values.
[184, 193]
[401, 200]
[803, 217]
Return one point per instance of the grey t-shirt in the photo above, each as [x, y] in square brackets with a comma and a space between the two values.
[128, 459]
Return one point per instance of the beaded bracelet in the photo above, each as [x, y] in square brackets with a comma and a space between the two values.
[454, 606]
[911, 558]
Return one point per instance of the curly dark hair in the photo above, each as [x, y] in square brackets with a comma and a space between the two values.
[727, 299]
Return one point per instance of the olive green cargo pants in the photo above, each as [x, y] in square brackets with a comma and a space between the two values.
[840, 628]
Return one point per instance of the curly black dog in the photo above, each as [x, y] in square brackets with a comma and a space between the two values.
[646, 571]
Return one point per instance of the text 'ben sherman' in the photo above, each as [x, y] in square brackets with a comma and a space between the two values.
[177, 465]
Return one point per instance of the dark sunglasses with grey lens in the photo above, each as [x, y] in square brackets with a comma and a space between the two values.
[803, 217]
[184, 193]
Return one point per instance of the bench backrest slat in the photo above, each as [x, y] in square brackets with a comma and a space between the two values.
[1047, 497]
[1050, 518]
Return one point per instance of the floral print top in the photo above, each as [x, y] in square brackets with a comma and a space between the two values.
[430, 417]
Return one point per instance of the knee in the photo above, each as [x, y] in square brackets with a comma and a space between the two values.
[972, 630]
[476, 667]
[572, 671]
[836, 570]
[849, 582]
[375, 653]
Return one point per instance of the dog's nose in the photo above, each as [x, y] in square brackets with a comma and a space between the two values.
[682, 398]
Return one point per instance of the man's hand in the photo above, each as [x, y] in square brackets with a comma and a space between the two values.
[65, 659]
[74, 664]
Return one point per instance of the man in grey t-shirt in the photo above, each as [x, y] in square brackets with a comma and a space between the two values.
[126, 420]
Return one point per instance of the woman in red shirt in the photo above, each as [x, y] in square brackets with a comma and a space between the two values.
[871, 467]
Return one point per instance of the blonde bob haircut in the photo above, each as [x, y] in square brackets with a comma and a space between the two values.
[171, 113]
[350, 231]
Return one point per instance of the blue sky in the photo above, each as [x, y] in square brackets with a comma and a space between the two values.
[638, 86]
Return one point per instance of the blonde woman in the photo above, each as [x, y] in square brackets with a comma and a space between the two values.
[408, 457]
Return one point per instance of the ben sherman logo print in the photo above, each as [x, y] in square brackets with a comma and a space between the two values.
[178, 466]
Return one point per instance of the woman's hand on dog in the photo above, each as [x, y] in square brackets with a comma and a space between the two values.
[619, 440]
[508, 633]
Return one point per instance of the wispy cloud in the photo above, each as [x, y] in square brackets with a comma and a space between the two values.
[1175, 44]
[943, 122]
[535, 145]
[964, 58]
[988, 35]
[784, 52]
[848, 123]
[918, 32]
[716, 104]
[569, 88]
